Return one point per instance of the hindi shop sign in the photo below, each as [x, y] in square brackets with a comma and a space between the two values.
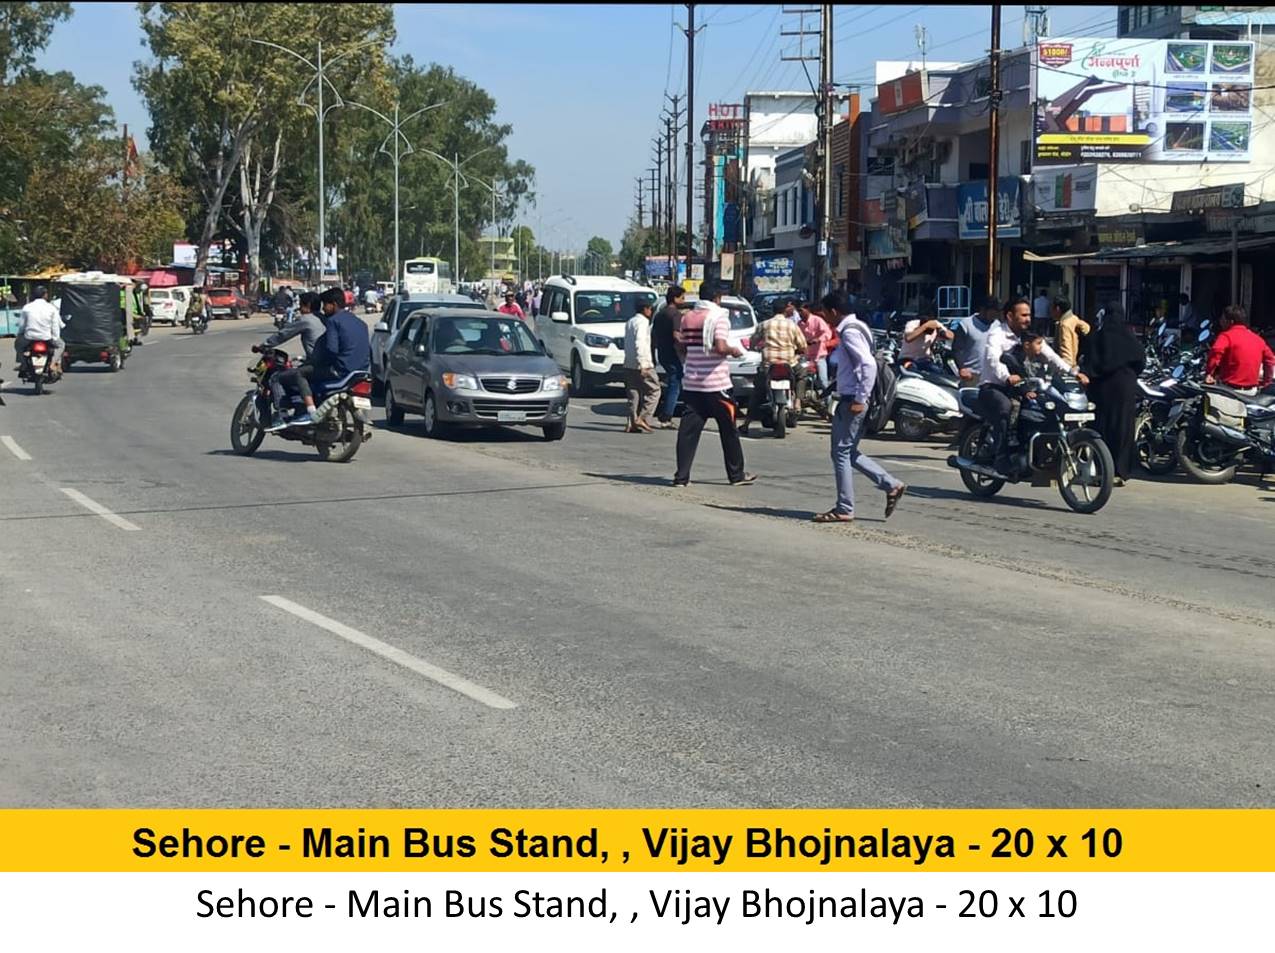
[972, 208]
[772, 272]
[1217, 196]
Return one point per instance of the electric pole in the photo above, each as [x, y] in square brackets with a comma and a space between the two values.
[657, 220]
[823, 112]
[690, 135]
[672, 118]
[637, 183]
[1035, 24]
[824, 249]
[993, 148]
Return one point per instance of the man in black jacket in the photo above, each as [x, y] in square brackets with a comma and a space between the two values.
[663, 337]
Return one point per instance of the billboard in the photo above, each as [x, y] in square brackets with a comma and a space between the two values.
[1136, 100]
[772, 272]
[971, 209]
[1065, 189]
[184, 254]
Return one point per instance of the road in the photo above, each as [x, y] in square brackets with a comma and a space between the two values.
[496, 620]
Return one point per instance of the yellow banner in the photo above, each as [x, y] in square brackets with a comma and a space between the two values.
[637, 840]
[1094, 139]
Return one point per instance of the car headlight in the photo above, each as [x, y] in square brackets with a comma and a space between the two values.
[460, 381]
[554, 384]
[596, 340]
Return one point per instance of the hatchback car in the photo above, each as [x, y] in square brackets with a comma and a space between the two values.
[397, 308]
[459, 367]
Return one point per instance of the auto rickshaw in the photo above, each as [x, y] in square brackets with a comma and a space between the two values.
[95, 312]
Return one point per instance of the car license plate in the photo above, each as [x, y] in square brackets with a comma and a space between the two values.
[1078, 417]
[362, 403]
[511, 416]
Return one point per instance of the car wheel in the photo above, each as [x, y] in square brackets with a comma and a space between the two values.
[393, 412]
[581, 380]
[434, 428]
[556, 431]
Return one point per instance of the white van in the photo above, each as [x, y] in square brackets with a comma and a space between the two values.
[581, 324]
[169, 304]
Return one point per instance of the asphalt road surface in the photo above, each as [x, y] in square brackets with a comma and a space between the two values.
[496, 620]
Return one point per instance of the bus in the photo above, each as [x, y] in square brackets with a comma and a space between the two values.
[428, 276]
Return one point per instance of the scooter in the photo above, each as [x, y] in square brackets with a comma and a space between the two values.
[925, 398]
[779, 412]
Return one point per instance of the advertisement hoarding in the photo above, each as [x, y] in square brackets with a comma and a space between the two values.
[772, 272]
[184, 254]
[971, 209]
[1137, 100]
[1065, 189]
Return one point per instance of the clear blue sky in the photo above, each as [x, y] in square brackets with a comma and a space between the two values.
[583, 85]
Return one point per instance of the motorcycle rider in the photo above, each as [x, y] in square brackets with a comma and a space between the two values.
[1239, 358]
[995, 391]
[283, 301]
[40, 321]
[780, 341]
[344, 347]
[970, 340]
[309, 326]
[919, 336]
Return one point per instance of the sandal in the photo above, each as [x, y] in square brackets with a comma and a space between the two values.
[892, 498]
[833, 516]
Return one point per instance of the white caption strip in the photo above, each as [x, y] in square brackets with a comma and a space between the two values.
[435, 674]
[14, 448]
[93, 506]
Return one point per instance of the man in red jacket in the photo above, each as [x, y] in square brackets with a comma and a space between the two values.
[1239, 358]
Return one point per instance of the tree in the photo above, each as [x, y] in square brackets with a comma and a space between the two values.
[25, 29]
[210, 91]
[600, 253]
[638, 244]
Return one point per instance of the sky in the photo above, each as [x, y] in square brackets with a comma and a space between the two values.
[583, 85]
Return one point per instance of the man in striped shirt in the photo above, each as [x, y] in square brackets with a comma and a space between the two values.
[706, 387]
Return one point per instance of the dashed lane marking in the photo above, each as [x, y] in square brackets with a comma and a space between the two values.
[396, 655]
[14, 448]
[93, 506]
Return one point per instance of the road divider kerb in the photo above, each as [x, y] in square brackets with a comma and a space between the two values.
[14, 449]
[93, 506]
[396, 655]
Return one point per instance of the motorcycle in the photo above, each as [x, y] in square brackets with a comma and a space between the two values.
[280, 317]
[1050, 443]
[342, 411]
[1220, 429]
[810, 396]
[779, 412]
[197, 321]
[37, 367]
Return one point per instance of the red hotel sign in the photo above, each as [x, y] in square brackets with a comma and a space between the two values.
[906, 92]
[725, 117]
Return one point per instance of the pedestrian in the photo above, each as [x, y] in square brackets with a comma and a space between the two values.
[664, 338]
[510, 307]
[1041, 306]
[1069, 328]
[705, 349]
[641, 384]
[1113, 359]
[856, 375]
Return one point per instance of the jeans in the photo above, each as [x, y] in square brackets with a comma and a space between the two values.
[847, 428]
[996, 406]
[821, 369]
[672, 388]
[700, 408]
[297, 378]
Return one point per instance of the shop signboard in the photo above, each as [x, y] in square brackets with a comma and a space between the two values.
[971, 209]
[1137, 100]
[184, 254]
[1217, 196]
[1119, 236]
[772, 272]
[1064, 190]
[657, 266]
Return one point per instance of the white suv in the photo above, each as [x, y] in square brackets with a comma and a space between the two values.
[581, 324]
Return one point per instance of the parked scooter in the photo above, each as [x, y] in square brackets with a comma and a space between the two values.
[925, 397]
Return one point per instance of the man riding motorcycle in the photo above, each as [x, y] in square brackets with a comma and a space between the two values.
[309, 326]
[995, 393]
[780, 341]
[343, 348]
[971, 339]
[40, 321]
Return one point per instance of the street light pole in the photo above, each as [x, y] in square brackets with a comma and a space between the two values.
[396, 133]
[456, 162]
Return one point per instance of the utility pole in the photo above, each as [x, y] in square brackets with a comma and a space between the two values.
[823, 112]
[1035, 24]
[690, 135]
[655, 200]
[637, 182]
[993, 149]
[657, 220]
[824, 249]
[671, 126]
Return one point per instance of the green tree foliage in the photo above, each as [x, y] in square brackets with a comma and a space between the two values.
[25, 29]
[600, 253]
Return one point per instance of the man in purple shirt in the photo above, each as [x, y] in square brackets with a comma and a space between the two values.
[856, 374]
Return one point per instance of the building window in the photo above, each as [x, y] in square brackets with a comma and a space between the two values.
[978, 170]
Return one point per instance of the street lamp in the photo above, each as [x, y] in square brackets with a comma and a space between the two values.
[456, 162]
[396, 133]
[320, 113]
[491, 187]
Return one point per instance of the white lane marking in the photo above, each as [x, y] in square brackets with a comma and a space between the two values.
[435, 674]
[14, 448]
[907, 465]
[93, 506]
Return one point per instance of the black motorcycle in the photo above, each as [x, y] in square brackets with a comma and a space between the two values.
[1220, 429]
[37, 366]
[779, 411]
[1048, 443]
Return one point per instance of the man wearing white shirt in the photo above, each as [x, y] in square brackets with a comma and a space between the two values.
[40, 321]
[641, 385]
[994, 395]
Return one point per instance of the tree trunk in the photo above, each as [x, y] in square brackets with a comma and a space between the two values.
[214, 183]
[256, 198]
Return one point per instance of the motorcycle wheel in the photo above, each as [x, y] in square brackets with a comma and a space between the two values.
[781, 423]
[1089, 450]
[1156, 462]
[1202, 468]
[39, 385]
[246, 432]
[976, 483]
[351, 432]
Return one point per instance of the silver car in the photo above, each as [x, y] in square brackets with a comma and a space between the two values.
[458, 367]
[397, 308]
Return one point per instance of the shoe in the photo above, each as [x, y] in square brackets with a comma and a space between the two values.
[678, 483]
[302, 420]
[1118, 481]
[892, 498]
[276, 425]
[748, 479]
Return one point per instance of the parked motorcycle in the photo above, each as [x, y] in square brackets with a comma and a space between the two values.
[342, 411]
[779, 410]
[1050, 443]
[37, 366]
[1220, 429]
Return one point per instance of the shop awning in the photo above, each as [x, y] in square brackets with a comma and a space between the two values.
[1153, 250]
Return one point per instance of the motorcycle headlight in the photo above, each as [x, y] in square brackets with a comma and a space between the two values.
[553, 385]
[1050, 405]
[460, 381]
[596, 340]
[1077, 401]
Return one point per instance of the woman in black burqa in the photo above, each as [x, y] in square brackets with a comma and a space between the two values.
[1113, 358]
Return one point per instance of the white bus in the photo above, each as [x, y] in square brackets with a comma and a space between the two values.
[428, 276]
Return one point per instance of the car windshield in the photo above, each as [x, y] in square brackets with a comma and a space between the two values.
[484, 336]
[159, 295]
[741, 319]
[420, 267]
[606, 307]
